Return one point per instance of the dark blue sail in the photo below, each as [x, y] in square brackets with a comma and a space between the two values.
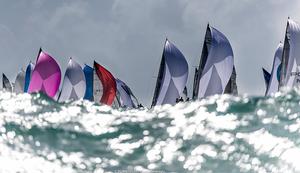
[28, 74]
[267, 77]
[88, 73]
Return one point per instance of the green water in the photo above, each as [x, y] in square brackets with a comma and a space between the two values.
[217, 134]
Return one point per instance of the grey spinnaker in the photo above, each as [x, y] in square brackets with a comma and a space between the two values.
[74, 84]
[275, 73]
[172, 76]
[6, 85]
[20, 82]
[290, 72]
[216, 73]
[125, 96]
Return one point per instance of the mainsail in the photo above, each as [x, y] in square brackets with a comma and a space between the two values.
[28, 75]
[104, 85]
[6, 85]
[73, 86]
[267, 77]
[290, 72]
[216, 72]
[20, 82]
[172, 76]
[125, 96]
[275, 73]
[46, 75]
[88, 73]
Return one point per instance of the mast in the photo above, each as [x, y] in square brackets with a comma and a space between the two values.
[284, 58]
[203, 59]
[159, 77]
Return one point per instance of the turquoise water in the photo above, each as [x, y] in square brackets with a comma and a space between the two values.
[217, 134]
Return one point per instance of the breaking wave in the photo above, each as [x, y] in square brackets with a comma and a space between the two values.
[217, 134]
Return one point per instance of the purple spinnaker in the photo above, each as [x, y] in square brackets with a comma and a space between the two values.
[46, 75]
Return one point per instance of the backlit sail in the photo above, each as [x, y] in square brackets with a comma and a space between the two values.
[105, 86]
[216, 68]
[19, 82]
[290, 72]
[172, 76]
[73, 86]
[28, 75]
[125, 96]
[6, 85]
[89, 75]
[46, 75]
[275, 73]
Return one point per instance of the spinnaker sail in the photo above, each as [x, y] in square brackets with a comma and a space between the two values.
[89, 75]
[290, 69]
[172, 76]
[46, 75]
[216, 72]
[6, 85]
[28, 75]
[275, 73]
[19, 82]
[105, 86]
[74, 85]
[125, 96]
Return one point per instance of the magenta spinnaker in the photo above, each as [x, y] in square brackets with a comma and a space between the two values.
[46, 75]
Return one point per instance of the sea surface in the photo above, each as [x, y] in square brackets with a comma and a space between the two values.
[223, 134]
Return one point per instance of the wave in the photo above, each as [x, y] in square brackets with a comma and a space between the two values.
[217, 134]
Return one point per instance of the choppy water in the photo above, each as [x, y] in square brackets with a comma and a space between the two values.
[218, 134]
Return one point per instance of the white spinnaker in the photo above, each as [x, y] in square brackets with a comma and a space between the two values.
[97, 88]
[275, 73]
[74, 85]
[19, 82]
[292, 72]
[124, 96]
[219, 66]
[174, 76]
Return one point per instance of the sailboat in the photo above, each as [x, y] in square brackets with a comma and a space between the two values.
[6, 85]
[125, 97]
[28, 75]
[104, 85]
[73, 86]
[46, 75]
[19, 82]
[267, 77]
[290, 72]
[172, 76]
[275, 73]
[89, 78]
[216, 72]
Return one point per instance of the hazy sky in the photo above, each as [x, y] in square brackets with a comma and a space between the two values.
[127, 36]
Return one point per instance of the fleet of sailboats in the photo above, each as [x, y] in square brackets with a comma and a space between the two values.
[215, 74]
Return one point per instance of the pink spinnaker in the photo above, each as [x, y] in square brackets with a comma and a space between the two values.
[46, 75]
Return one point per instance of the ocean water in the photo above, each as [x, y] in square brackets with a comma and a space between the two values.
[218, 134]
